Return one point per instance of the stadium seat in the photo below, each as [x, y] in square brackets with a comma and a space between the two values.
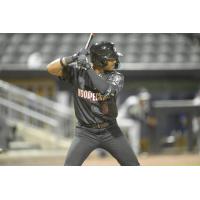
[51, 38]
[26, 48]
[23, 59]
[148, 48]
[164, 48]
[180, 39]
[11, 48]
[101, 37]
[17, 38]
[68, 38]
[64, 49]
[7, 59]
[180, 58]
[132, 58]
[47, 48]
[35, 38]
[194, 49]
[194, 58]
[149, 38]
[163, 38]
[136, 47]
[82, 39]
[134, 38]
[180, 48]
[118, 39]
[3, 38]
[47, 58]
[163, 58]
[132, 48]
[147, 58]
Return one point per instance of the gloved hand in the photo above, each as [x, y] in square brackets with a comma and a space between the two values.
[74, 57]
[83, 62]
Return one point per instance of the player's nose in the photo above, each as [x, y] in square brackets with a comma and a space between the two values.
[114, 61]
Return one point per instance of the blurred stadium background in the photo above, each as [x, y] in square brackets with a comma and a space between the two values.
[36, 113]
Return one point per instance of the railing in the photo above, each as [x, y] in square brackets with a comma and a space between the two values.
[20, 105]
[124, 66]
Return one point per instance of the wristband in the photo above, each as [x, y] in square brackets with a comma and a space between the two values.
[61, 62]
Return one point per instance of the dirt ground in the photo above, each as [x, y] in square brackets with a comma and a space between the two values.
[56, 158]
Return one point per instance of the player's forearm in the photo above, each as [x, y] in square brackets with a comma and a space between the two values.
[55, 68]
[98, 82]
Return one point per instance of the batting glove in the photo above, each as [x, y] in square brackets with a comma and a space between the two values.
[83, 62]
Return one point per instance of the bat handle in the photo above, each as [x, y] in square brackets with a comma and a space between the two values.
[89, 40]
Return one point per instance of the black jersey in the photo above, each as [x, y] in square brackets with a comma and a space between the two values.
[90, 105]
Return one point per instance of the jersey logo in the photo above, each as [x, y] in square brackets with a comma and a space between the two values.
[89, 95]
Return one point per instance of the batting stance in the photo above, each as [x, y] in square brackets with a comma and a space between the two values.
[96, 85]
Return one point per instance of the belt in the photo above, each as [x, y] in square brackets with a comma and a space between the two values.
[98, 125]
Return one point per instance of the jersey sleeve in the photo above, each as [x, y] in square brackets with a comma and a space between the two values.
[68, 73]
[116, 83]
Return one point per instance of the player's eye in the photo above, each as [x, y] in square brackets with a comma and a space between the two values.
[111, 59]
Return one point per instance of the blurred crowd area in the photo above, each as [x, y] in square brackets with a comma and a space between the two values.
[158, 107]
[137, 48]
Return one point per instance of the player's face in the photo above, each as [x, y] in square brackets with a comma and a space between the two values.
[110, 65]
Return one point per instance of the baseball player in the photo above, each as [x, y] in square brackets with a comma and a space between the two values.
[134, 114]
[96, 85]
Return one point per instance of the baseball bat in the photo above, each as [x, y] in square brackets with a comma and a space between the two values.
[89, 40]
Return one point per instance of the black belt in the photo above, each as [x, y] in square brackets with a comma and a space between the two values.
[98, 125]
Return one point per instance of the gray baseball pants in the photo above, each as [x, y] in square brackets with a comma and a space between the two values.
[111, 139]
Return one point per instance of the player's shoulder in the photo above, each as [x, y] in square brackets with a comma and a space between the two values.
[116, 77]
[117, 74]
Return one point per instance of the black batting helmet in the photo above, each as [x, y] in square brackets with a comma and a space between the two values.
[103, 51]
